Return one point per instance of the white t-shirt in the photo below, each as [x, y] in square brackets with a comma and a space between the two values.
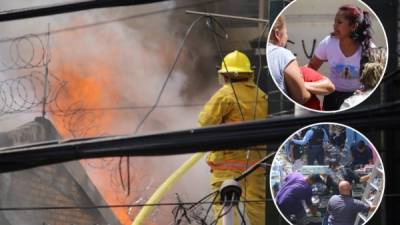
[344, 72]
[278, 59]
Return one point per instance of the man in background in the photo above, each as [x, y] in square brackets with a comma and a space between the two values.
[343, 209]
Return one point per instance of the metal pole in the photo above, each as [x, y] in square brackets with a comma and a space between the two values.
[228, 16]
[227, 211]
[46, 74]
[261, 12]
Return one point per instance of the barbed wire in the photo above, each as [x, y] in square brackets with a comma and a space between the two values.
[24, 52]
[35, 85]
[25, 92]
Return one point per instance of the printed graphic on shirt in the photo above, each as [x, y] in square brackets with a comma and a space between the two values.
[348, 72]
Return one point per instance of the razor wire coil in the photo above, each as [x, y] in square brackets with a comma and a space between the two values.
[25, 92]
[24, 52]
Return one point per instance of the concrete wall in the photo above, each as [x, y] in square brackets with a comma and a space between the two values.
[48, 186]
[45, 187]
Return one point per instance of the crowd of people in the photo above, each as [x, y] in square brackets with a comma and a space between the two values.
[318, 145]
[326, 146]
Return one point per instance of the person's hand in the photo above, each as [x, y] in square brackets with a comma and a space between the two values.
[364, 179]
[372, 208]
[317, 214]
[358, 91]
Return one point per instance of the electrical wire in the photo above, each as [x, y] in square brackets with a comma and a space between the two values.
[241, 215]
[393, 195]
[154, 106]
[255, 108]
[259, 68]
[117, 206]
[209, 208]
[193, 207]
[177, 210]
[239, 178]
[212, 28]
[130, 17]
[29, 108]
[219, 50]
[222, 213]
[189, 30]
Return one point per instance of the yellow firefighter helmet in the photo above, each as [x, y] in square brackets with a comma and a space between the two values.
[235, 62]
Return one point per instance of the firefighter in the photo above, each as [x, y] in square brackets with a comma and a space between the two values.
[234, 102]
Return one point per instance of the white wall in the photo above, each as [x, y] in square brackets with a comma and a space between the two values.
[309, 20]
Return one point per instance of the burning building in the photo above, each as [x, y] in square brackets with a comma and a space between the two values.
[38, 192]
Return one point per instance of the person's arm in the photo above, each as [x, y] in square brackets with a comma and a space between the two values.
[331, 185]
[328, 207]
[353, 176]
[305, 139]
[315, 63]
[291, 153]
[295, 83]
[313, 208]
[372, 208]
[364, 179]
[361, 206]
[321, 87]
[215, 110]
[326, 136]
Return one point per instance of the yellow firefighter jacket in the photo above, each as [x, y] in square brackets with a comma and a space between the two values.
[223, 108]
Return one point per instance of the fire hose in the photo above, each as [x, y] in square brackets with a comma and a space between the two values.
[174, 177]
[165, 187]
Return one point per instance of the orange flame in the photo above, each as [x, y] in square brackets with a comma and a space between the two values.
[81, 114]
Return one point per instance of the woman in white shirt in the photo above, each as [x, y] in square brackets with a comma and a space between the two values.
[346, 50]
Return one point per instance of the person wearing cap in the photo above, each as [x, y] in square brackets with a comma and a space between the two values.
[238, 100]
[342, 209]
[361, 154]
[295, 190]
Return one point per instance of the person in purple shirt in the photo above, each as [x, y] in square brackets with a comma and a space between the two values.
[342, 209]
[296, 189]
